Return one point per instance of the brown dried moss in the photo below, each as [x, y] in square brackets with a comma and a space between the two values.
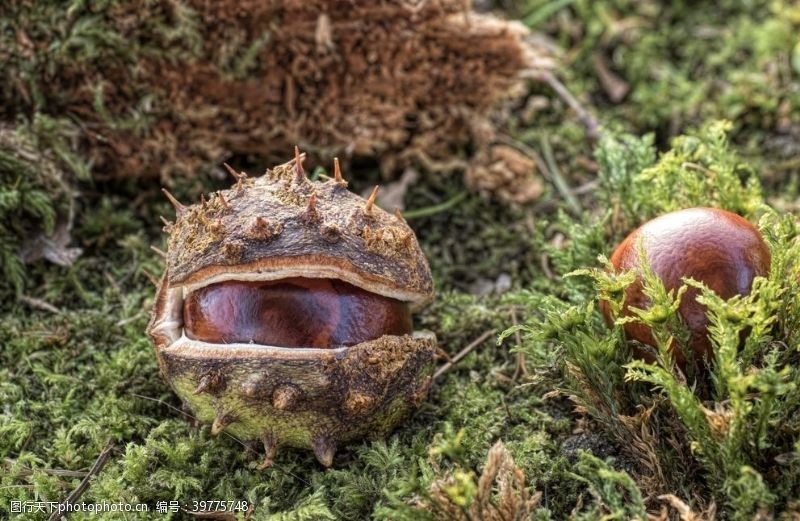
[505, 173]
[182, 86]
[499, 495]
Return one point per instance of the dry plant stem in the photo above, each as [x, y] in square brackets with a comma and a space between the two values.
[545, 264]
[438, 208]
[683, 510]
[464, 352]
[521, 369]
[61, 473]
[39, 304]
[152, 278]
[592, 127]
[99, 463]
[558, 179]
[130, 320]
[586, 188]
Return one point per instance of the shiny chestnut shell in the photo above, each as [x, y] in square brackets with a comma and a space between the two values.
[298, 312]
[284, 313]
[716, 247]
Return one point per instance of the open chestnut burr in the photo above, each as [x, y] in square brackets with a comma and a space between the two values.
[284, 313]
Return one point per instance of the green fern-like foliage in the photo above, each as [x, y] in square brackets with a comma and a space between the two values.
[312, 508]
[727, 435]
[699, 170]
[616, 494]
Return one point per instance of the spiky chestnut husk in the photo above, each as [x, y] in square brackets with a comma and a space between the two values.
[283, 226]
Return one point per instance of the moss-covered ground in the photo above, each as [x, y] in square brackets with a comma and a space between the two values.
[596, 435]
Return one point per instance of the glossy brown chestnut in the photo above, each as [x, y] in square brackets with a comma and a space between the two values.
[294, 312]
[716, 247]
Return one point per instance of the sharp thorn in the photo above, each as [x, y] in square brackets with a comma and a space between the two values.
[203, 200]
[159, 251]
[398, 214]
[324, 450]
[179, 208]
[168, 226]
[337, 172]
[239, 176]
[220, 422]
[150, 277]
[371, 200]
[222, 201]
[311, 215]
[270, 448]
[236, 175]
[298, 164]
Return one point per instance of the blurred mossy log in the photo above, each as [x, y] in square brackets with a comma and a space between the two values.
[169, 87]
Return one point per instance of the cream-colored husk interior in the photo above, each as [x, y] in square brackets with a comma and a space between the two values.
[311, 271]
[170, 324]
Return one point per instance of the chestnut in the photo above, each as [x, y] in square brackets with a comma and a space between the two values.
[716, 247]
[292, 312]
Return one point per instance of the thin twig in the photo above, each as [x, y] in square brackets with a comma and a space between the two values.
[39, 304]
[433, 210]
[152, 278]
[441, 354]
[114, 283]
[521, 369]
[544, 262]
[558, 179]
[589, 121]
[587, 187]
[61, 473]
[99, 463]
[464, 352]
[695, 166]
[126, 321]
